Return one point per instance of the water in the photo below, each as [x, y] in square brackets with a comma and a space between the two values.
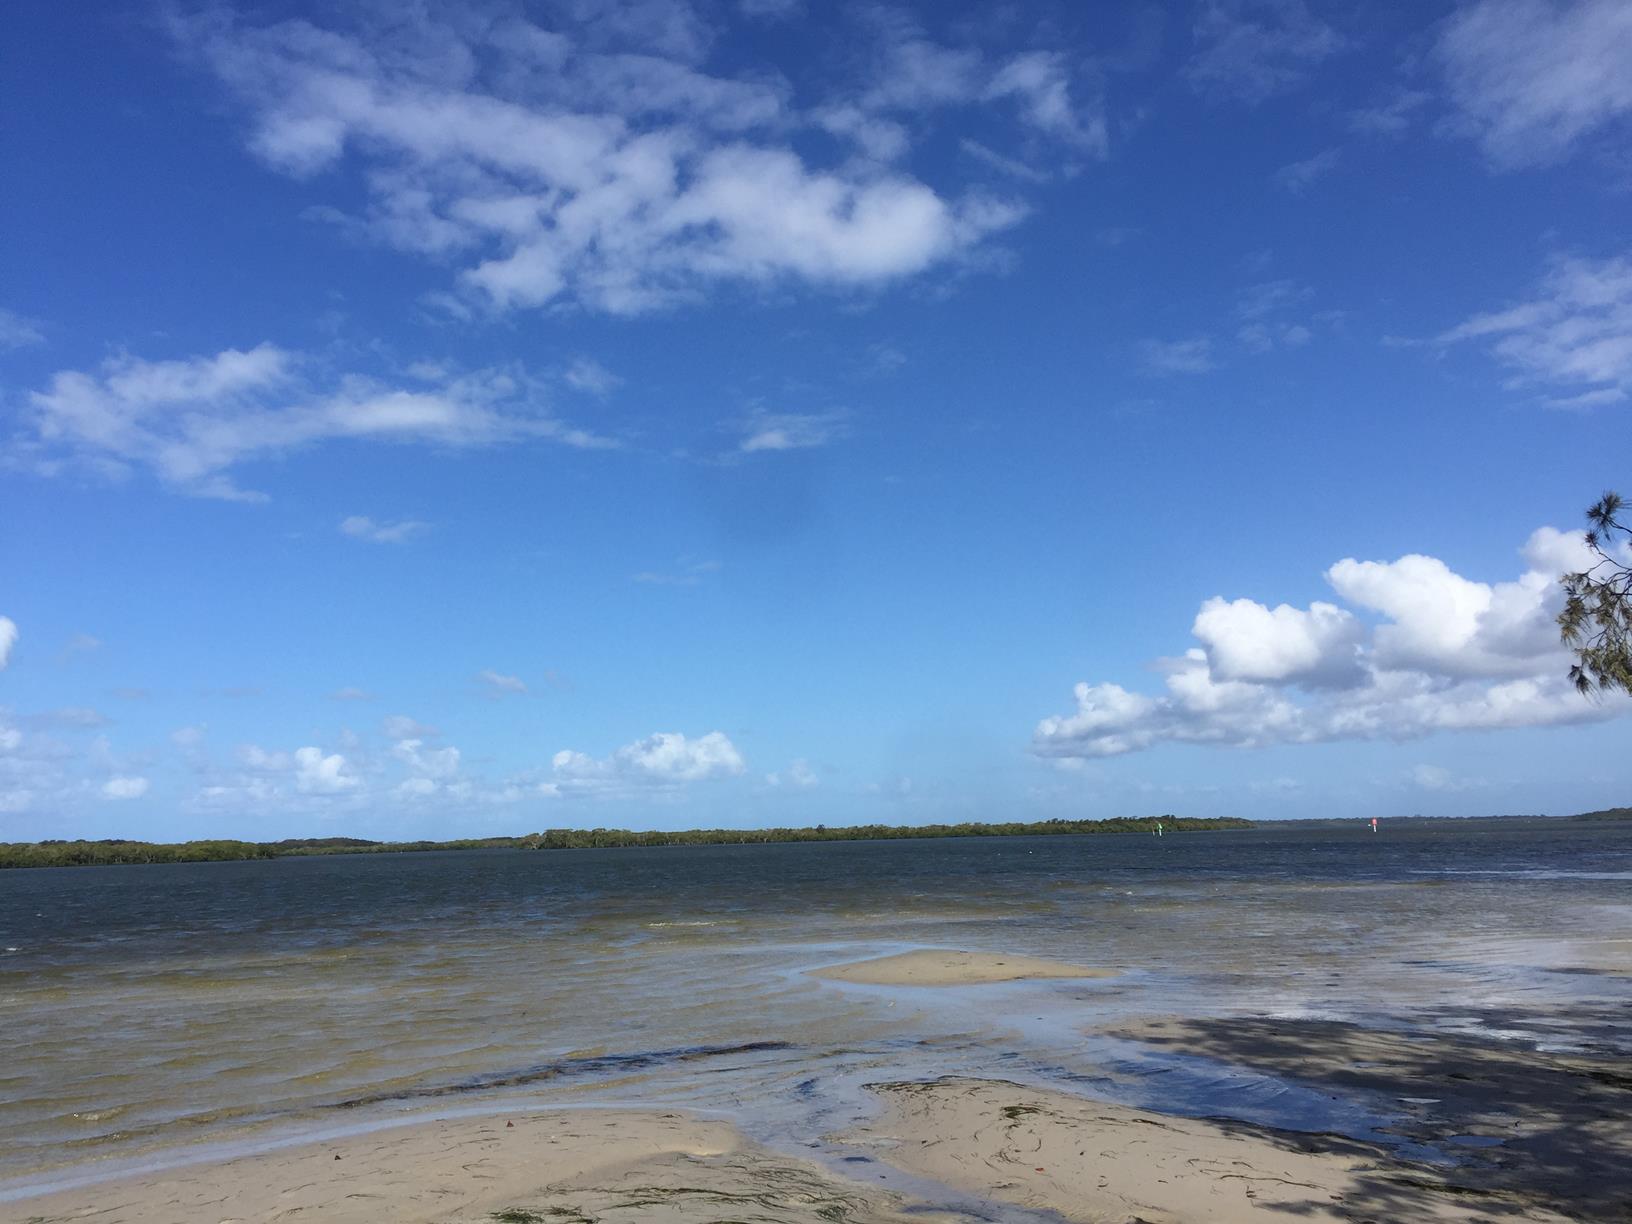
[153, 1013]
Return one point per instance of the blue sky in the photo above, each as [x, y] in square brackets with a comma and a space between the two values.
[450, 420]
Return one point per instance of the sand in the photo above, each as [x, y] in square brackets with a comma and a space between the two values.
[566, 1167]
[1549, 1127]
[991, 1142]
[936, 967]
[1092, 1161]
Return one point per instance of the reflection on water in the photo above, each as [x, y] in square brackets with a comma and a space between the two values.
[149, 1007]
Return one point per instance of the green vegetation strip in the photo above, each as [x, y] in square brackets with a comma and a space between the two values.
[114, 852]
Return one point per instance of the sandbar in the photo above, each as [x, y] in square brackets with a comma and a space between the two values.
[942, 967]
[1094, 1161]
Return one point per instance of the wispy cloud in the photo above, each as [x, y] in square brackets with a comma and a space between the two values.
[590, 376]
[500, 685]
[686, 573]
[1574, 337]
[1249, 50]
[1192, 356]
[783, 431]
[1532, 79]
[190, 421]
[1390, 117]
[1297, 177]
[361, 527]
[18, 332]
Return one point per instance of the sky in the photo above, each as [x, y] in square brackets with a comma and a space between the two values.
[448, 420]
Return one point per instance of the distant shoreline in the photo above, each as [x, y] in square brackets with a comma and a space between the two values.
[115, 852]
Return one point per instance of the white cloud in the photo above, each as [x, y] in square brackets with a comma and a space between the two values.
[125, 787]
[1574, 335]
[782, 431]
[402, 727]
[187, 738]
[320, 774]
[17, 332]
[1040, 81]
[1532, 79]
[1299, 176]
[1245, 640]
[1449, 654]
[1007, 165]
[595, 162]
[1390, 117]
[798, 775]
[1192, 356]
[8, 639]
[664, 761]
[350, 693]
[436, 764]
[190, 421]
[590, 376]
[1438, 778]
[1248, 50]
[500, 685]
[361, 527]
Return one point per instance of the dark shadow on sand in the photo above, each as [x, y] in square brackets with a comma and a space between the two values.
[1538, 1129]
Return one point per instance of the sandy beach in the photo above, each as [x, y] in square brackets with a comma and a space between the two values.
[1001, 1150]
[564, 1167]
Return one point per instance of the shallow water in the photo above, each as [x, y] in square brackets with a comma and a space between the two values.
[150, 1011]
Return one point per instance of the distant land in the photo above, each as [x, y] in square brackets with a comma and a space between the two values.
[114, 851]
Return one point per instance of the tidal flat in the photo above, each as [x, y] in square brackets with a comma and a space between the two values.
[1429, 1024]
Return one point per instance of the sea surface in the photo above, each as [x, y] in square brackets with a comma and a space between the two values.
[155, 1014]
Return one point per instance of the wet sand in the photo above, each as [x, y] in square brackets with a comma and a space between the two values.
[1094, 1161]
[1002, 1150]
[938, 967]
[559, 1167]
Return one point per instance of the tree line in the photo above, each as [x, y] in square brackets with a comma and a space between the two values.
[113, 851]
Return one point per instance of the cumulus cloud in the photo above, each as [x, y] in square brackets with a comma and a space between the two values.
[1532, 79]
[124, 787]
[661, 762]
[190, 421]
[435, 764]
[1446, 653]
[8, 639]
[361, 527]
[1249, 50]
[1572, 338]
[592, 160]
[317, 772]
